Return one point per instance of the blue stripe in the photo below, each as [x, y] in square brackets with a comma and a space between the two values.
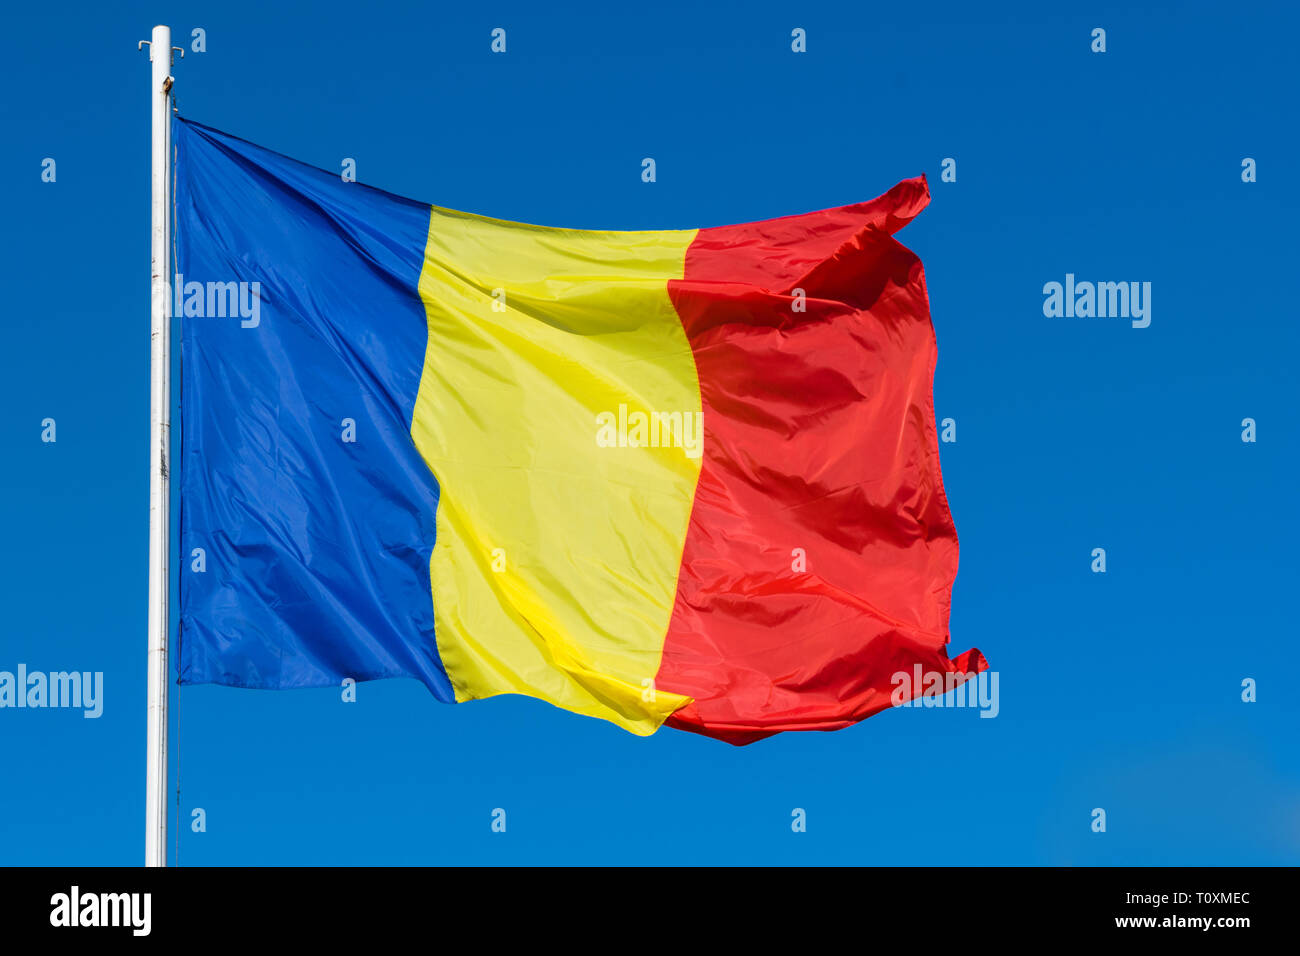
[317, 550]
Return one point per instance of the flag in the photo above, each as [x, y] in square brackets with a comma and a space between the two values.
[686, 476]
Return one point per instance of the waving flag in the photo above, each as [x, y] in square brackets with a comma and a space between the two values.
[680, 475]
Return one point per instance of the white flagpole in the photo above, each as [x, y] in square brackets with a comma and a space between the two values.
[155, 843]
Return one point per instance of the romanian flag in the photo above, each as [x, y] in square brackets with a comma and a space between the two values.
[674, 476]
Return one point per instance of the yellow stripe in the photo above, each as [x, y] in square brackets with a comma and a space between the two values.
[556, 562]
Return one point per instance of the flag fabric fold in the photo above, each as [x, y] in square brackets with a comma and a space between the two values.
[676, 475]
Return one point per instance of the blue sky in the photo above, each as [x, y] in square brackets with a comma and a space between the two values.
[1119, 690]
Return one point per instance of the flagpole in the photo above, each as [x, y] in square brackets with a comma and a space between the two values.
[160, 56]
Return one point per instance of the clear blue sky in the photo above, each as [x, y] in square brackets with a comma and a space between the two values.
[1118, 690]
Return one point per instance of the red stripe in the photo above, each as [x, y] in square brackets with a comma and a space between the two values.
[820, 436]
